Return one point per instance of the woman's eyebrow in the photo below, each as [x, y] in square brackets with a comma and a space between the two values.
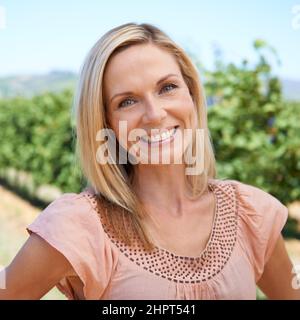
[157, 83]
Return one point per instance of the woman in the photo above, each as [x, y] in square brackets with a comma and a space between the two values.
[151, 230]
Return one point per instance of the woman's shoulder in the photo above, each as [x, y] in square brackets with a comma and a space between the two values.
[72, 204]
[260, 213]
[250, 196]
[261, 218]
[70, 212]
[72, 226]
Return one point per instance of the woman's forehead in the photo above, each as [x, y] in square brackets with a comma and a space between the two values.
[139, 63]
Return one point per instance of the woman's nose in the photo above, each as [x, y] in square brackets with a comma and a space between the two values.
[153, 111]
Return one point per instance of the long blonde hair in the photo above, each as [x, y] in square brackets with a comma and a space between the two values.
[111, 182]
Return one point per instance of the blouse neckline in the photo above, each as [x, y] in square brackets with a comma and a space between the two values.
[183, 269]
[211, 237]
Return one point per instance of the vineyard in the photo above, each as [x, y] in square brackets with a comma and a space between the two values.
[255, 134]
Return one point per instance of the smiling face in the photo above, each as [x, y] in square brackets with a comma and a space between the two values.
[144, 87]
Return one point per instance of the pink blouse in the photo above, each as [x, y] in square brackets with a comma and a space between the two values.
[247, 224]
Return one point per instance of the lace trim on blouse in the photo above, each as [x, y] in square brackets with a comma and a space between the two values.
[184, 269]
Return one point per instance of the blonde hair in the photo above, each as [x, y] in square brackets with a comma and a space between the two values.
[111, 182]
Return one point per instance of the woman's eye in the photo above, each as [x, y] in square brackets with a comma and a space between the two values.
[166, 88]
[170, 85]
[122, 104]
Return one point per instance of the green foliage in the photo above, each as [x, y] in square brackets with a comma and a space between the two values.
[36, 137]
[254, 131]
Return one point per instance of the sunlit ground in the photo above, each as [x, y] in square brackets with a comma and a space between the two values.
[15, 215]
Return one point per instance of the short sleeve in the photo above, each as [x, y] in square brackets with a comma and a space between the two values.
[262, 218]
[71, 225]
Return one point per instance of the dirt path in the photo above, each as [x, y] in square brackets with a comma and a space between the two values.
[15, 215]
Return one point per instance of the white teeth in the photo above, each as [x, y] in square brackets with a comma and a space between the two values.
[158, 137]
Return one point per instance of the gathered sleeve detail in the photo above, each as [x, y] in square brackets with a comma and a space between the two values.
[71, 225]
[261, 220]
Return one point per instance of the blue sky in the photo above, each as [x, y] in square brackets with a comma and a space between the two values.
[40, 36]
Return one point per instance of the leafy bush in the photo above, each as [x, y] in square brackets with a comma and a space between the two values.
[36, 137]
[255, 133]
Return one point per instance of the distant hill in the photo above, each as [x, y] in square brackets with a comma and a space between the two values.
[29, 85]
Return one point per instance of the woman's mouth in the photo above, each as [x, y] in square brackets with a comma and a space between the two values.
[158, 139]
